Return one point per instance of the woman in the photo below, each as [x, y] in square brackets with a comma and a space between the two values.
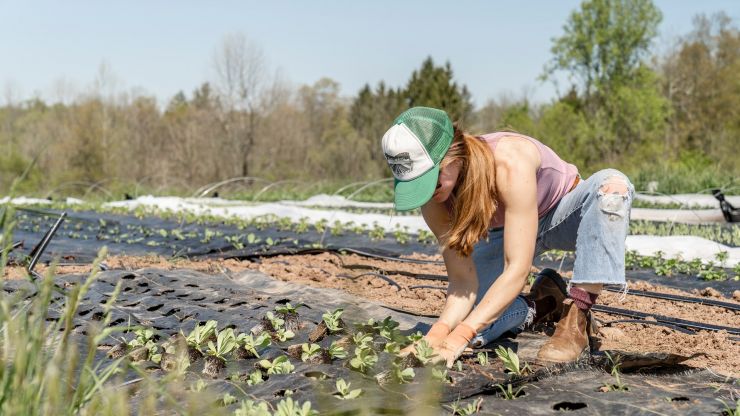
[494, 202]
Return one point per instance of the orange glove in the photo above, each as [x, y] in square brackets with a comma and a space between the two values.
[434, 337]
[454, 344]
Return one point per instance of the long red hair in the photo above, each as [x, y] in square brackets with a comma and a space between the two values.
[474, 194]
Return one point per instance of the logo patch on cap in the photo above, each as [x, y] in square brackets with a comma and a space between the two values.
[405, 154]
[400, 163]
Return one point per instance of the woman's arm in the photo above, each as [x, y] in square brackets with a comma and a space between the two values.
[516, 182]
[463, 280]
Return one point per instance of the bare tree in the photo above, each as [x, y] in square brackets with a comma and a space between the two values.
[240, 71]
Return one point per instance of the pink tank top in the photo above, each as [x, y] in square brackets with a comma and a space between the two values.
[554, 177]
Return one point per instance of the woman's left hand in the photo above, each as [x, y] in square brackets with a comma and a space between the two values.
[454, 345]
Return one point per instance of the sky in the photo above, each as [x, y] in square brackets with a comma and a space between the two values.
[54, 49]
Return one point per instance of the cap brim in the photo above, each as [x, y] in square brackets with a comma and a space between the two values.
[415, 193]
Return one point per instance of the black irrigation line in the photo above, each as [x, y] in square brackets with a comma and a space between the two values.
[382, 276]
[665, 319]
[679, 298]
[379, 256]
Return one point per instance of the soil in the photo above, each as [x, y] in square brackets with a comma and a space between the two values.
[722, 351]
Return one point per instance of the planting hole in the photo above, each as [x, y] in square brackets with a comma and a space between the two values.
[281, 392]
[569, 406]
[128, 276]
[222, 301]
[199, 299]
[238, 304]
[318, 375]
[117, 322]
[171, 311]
[143, 284]
[283, 301]
[191, 285]
[155, 307]
[680, 399]
[131, 305]
[97, 316]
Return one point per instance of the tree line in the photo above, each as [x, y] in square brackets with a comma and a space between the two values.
[672, 116]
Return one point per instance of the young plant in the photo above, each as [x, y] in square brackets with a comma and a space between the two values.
[255, 377]
[143, 346]
[280, 365]
[200, 335]
[618, 385]
[337, 351]
[483, 358]
[511, 361]
[333, 321]
[309, 350]
[361, 339]
[403, 375]
[424, 352]
[282, 335]
[364, 359]
[508, 393]
[251, 344]
[344, 392]
[250, 408]
[288, 407]
[216, 359]
[468, 409]
[274, 322]
[440, 374]
[287, 309]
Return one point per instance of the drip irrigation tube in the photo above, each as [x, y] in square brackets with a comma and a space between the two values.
[679, 298]
[666, 319]
[382, 276]
[378, 256]
[39, 249]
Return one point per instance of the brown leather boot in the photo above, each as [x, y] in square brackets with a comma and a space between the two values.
[570, 339]
[547, 293]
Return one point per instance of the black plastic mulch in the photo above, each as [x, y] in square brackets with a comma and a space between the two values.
[175, 300]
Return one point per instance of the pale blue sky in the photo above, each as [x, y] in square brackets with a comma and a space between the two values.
[161, 47]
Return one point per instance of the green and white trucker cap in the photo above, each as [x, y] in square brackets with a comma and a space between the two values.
[414, 147]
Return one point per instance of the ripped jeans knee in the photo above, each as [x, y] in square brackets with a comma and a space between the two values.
[615, 197]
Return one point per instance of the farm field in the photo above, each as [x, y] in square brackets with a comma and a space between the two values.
[282, 315]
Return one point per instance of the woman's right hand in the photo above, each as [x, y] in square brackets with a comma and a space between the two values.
[437, 333]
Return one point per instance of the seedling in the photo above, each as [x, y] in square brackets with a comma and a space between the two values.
[235, 241]
[618, 385]
[200, 334]
[337, 229]
[280, 365]
[511, 361]
[392, 347]
[483, 358]
[216, 360]
[344, 392]
[302, 225]
[424, 352]
[309, 351]
[228, 399]
[336, 351]
[288, 309]
[275, 323]
[253, 239]
[508, 393]
[377, 233]
[468, 409]
[255, 377]
[253, 344]
[250, 408]
[144, 347]
[440, 374]
[333, 321]
[288, 407]
[403, 375]
[364, 359]
[283, 335]
[362, 339]
[730, 411]
[320, 225]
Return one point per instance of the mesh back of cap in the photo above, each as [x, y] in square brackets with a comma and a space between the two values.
[432, 126]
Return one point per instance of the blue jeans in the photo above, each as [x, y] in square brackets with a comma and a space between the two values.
[586, 220]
